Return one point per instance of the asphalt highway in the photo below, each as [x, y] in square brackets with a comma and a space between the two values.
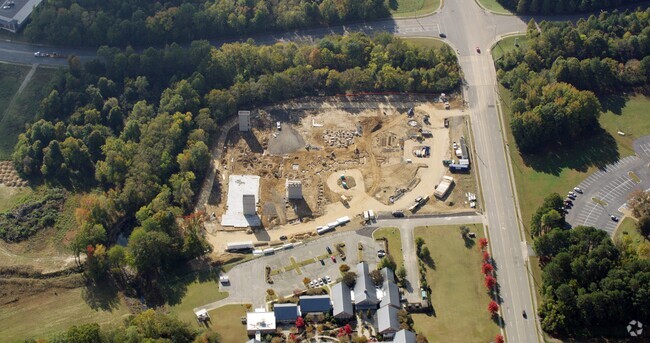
[467, 26]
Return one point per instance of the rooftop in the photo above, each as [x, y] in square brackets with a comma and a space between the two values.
[391, 295]
[314, 303]
[260, 321]
[364, 289]
[342, 299]
[387, 320]
[285, 312]
[239, 185]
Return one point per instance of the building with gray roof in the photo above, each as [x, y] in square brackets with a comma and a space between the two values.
[365, 294]
[285, 313]
[391, 295]
[404, 336]
[342, 301]
[387, 323]
[388, 274]
[314, 304]
[14, 13]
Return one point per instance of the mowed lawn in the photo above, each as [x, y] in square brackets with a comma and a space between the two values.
[405, 8]
[394, 239]
[458, 296]
[494, 6]
[508, 44]
[198, 293]
[226, 320]
[47, 313]
[25, 106]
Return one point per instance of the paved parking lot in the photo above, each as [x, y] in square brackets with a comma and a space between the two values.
[611, 185]
[248, 285]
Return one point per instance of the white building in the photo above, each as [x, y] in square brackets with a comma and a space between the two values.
[244, 121]
[260, 322]
[294, 189]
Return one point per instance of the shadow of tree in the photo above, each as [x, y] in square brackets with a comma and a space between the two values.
[469, 243]
[498, 320]
[393, 5]
[101, 296]
[598, 150]
[614, 103]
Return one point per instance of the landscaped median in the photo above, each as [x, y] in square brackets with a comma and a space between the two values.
[458, 295]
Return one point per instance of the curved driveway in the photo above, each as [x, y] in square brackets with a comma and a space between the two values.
[466, 26]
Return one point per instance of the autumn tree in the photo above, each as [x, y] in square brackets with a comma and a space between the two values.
[493, 307]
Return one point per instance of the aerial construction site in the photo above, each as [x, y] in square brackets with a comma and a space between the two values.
[321, 159]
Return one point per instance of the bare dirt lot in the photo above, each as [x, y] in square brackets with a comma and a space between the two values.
[374, 142]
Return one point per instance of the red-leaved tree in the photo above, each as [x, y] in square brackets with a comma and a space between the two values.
[490, 281]
[487, 268]
[482, 243]
[300, 323]
[486, 256]
[498, 339]
[493, 307]
[348, 329]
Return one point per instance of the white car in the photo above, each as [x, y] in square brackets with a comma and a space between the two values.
[328, 279]
[39, 54]
[577, 189]
[614, 218]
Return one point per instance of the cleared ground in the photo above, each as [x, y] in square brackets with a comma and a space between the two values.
[394, 239]
[405, 8]
[10, 196]
[458, 296]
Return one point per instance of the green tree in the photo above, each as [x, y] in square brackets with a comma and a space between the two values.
[350, 278]
[401, 272]
[84, 333]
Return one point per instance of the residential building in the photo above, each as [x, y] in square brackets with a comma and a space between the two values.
[391, 295]
[387, 323]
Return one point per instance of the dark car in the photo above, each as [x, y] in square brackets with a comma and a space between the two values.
[283, 238]
[322, 262]
[398, 214]
[329, 251]
[442, 35]
[478, 49]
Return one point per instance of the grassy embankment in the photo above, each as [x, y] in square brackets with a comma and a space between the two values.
[458, 296]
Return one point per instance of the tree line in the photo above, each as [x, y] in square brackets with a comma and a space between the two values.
[555, 80]
[132, 130]
[561, 6]
[96, 22]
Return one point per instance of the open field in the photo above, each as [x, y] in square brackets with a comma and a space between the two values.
[426, 42]
[406, 8]
[458, 296]
[508, 44]
[494, 6]
[197, 293]
[10, 196]
[55, 309]
[10, 78]
[226, 321]
[392, 235]
[23, 109]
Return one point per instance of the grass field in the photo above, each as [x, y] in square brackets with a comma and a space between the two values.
[195, 290]
[508, 44]
[24, 107]
[10, 196]
[458, 295]
[226, 321]
[406, 8]
[629, 239]
[50, 312]
[494, 6]
[394, 239]
[426, 42]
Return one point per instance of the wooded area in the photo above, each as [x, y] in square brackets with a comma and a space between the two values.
[146, 23]
[132, 130]
[561, 6]
[556, 80]
[590, 287]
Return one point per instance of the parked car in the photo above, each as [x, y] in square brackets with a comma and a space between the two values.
[329, 251]
[278, 125]
[283, 238]
[398, 214]
[381, 254]
[328, 279]
[322, 262]
[478, 49]
[577, 189]
[442, 35]
[614, 218]
[333, 258]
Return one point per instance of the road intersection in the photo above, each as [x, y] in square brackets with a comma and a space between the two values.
[467, 26]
